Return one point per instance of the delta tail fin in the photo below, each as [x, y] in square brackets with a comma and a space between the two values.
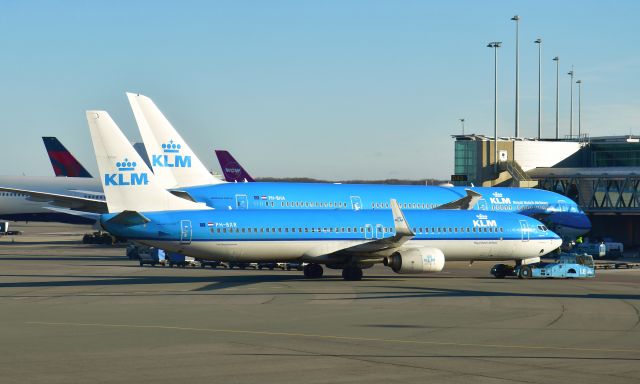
[62, 161]
[128, 183]
[232, 170]
[172, 159]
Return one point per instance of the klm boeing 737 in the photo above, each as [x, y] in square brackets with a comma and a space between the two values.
[420, 242]
[180, 170]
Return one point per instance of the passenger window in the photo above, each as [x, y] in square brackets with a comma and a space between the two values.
[349, 229]
[242, 230]
[267, 229]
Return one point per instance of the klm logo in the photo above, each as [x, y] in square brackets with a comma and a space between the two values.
[484, 222]
[171, 157]
[500, 200]
[126, 175]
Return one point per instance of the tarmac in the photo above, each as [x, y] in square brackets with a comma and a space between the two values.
[73, 313]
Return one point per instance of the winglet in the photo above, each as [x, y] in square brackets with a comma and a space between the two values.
[464, 203]
[402, 227]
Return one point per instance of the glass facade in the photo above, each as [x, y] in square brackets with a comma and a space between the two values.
[466, 157]
[615, 155]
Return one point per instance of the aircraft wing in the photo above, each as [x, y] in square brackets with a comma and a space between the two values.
[463, 203]
[382, 247]
[86, 215]
[66, 201]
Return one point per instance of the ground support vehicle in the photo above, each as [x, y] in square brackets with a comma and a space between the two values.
[151, 256]
[271, 265]
[567, 265]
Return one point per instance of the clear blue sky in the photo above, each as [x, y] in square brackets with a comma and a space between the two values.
[326, 89]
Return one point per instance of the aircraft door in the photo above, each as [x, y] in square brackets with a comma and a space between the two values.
[356, 203]
[524, 230]
[241, 202]
[379, 231]
[482, 205]
[368, 231]
[185, 231]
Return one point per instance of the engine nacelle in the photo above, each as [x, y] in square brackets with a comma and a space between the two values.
[416, 260]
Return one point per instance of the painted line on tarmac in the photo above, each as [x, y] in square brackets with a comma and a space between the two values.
[333, 337]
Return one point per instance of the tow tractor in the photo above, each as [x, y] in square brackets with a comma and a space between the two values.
[567, 265]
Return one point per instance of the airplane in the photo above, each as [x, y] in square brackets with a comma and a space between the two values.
[188, 178]
[180, 171]
[232, 170]
[62, 161]
[142, 210]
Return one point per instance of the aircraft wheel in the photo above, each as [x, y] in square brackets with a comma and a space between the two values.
[352, 274]
[313, 271]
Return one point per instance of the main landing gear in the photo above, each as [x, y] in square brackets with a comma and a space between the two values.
[352, 273]
[313, 271]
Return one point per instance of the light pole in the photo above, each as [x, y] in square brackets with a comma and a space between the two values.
[495, 45]
[539, 42]
[571, 104]
[557, 60]
[579, 82]
[516, 18]
[462, 121]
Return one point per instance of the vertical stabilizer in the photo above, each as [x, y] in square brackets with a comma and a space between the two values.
[172, 159]
[127, 181]
[62, 161]
[232, 170]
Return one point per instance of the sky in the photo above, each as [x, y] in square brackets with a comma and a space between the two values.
[340, 89]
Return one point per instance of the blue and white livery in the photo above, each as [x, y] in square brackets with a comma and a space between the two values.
[417, 242]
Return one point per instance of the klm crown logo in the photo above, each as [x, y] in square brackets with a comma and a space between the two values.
[171, 147]
[126, 175]
[171, 158]
[126, 165]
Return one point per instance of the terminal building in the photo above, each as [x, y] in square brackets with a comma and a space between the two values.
[601, 174]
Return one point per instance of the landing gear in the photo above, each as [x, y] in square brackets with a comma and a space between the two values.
[499, 271]
[313, 271]
[525, 272]
[352, 274]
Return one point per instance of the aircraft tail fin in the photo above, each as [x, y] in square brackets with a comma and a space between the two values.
[232, 170]
[172, 160]
[62, 161]
[128, 183]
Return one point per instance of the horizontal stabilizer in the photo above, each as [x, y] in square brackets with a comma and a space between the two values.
[464, 203]
[129, 218]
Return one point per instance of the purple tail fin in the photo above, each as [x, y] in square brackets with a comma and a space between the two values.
[62, 161]
[233, 171]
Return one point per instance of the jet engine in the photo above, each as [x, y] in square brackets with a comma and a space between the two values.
[416, 260]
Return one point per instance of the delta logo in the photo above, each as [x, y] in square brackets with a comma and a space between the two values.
[498, 199]
[484, 222]
[171, 157]
[126, 175]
